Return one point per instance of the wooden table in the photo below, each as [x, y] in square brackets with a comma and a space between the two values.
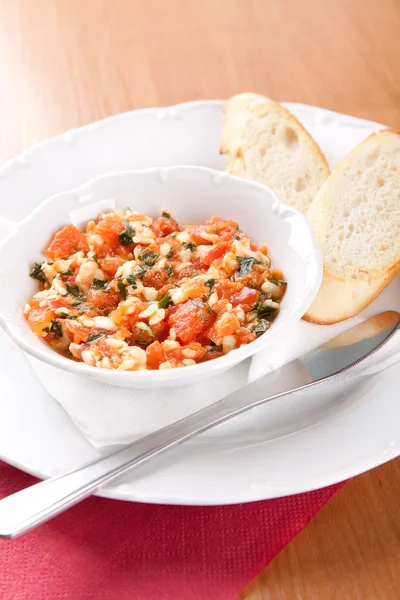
[64, 63]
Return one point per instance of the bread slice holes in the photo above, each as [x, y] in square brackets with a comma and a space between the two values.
[290, 137]
[379, 207]
[346, 213]
[300, 185]
[380, 181]
[351, 227]
[263, 151]
[372, 156]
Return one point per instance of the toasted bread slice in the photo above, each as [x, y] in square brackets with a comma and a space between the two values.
[356, 218]
[338, 300]
[267, 143]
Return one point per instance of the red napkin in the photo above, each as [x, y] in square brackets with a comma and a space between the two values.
[107, 549]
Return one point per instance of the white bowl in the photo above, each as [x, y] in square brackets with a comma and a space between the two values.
[192, 194]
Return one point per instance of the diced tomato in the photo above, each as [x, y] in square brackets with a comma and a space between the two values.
[195, 235]
[161, 330]
[224, 228]
[164, 226]
[67, 241]
[245, 337]
[195, 288]
[210, 355]
[104, 348]
[196, 267]
[155, 278]
[227, 289]
[108, 228]
[155, 355]
[220, 306]
[119, 315]
[197, 348]
[111, 264]
[189, 321]
[247, 298]
[216, 252]
[39, 319]
[58, 302]
[227, 324]
[76, 331]
[103, 299]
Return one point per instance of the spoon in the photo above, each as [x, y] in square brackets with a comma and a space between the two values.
[38, 503]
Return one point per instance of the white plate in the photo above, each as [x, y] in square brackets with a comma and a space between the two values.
[295, 445]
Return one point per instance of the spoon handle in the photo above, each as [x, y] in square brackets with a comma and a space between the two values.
[38, 503]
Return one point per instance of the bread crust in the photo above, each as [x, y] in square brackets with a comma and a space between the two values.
[238, 109]
[339, 298]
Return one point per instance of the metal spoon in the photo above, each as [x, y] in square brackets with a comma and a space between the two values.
[32, 506]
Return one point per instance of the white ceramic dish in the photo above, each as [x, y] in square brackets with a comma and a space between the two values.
[192, 195]
[291, 447]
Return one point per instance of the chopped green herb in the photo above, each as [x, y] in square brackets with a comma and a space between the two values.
[170, 254]
[68, 273]
[127, 208]
[73, 289]
[246, 264]
[165, 302]
[209, 309]
[197, 303]
[261, 327]
[126, 236]
[266, 311]
[66, 316]
[56, 328]
[37, 273]
[98, 284]
[194, 274]
[122, 290]
[203, 318]
[216, 348]
[190, 245]
[173, 235]
[149, 257]
[131, 279]
[277, 281]
[46, 329]
[260, 301]
[210, 283]
[170, 271]
[140, 271]
[96, 260]
[95, 336]
[165, 214]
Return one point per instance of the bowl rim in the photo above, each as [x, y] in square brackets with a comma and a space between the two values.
[218, 178]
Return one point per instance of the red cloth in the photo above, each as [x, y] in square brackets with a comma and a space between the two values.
[111, 550]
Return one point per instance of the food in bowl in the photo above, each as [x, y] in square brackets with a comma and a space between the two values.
[131, 292]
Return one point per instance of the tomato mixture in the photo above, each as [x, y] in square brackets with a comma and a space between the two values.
[134, 293]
